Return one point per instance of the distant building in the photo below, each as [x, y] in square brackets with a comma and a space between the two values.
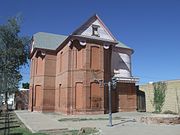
[16, 100]
[10, 100]
[21, 99]
[172, 99]
[65, 70]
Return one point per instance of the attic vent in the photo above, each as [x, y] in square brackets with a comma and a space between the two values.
[95, 30]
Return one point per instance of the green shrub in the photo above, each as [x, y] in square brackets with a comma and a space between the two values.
[159, 95]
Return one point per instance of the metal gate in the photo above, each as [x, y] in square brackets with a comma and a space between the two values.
[141, 101]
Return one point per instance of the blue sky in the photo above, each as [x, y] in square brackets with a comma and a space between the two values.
[150, 27]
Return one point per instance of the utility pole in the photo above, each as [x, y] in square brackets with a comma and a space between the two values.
[111, 83]
[110, 104]
[33, 75]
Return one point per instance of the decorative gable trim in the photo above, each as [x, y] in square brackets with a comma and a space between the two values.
[94, 20]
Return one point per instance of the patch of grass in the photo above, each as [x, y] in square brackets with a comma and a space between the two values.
[70, 132]
[16, 127]
[73, 119]
[87, 131]
[119, 118]
[82, 131]
[86, 119]
[23, 131]
[60, 132]
[80, 119]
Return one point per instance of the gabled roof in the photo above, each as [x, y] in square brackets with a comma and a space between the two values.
[51, 41]
[47, 40]
[86, 28]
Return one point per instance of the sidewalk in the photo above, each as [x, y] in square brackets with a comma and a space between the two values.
[125, 125]
[35, 121]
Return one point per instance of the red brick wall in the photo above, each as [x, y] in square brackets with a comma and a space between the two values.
[127, 96]
[81, 67]
[42, 82]
[61, 80]
[67, 82]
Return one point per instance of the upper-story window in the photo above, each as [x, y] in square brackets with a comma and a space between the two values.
[95, 58]
[60, 62]
[39, 66]
[95, 30]
[79, 59]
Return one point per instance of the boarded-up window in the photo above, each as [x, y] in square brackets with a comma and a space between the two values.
[79, 59]
[32, 68]
[34, 96]
[39, 66]
[60, 62]
[30, 95]
[131, 92]
[38, 95]
[95, 58]
[63, 98]
[59, 97]
[79, 96]
[123, 97]
[95, 96]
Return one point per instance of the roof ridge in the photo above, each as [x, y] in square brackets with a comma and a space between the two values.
[50, 33]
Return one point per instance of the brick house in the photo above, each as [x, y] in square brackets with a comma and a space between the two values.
[64, 70]
[21, 99]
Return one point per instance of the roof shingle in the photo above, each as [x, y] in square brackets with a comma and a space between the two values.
[47, 40]
[53, 41]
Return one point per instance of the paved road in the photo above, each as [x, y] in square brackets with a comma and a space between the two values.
[125, 126]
